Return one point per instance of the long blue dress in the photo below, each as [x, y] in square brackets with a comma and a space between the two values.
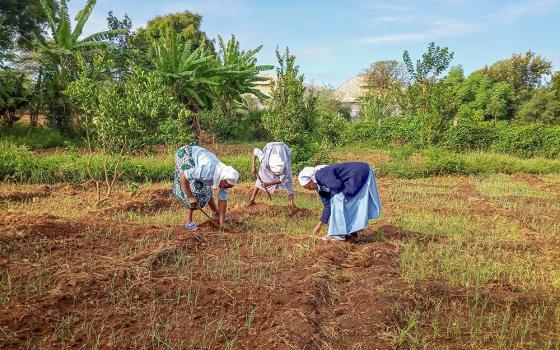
[350, 197]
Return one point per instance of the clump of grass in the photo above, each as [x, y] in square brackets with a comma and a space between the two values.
[480, 323]
[34, 137]
[502, 185]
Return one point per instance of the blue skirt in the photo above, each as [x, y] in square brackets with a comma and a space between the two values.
[349, 215]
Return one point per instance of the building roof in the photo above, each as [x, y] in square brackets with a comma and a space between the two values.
[351, 90]
[265, 85]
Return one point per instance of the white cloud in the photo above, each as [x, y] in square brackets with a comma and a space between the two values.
[524, 8]
[437, 29]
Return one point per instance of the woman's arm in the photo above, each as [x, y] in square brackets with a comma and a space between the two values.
[329, 178]
[187, 189]
[318, 227]
[254, 165]
[257, 154]
[325, 216]
[273, 182]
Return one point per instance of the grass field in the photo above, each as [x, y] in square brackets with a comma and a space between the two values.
[454, 263]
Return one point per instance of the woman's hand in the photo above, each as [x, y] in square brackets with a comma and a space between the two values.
[193, 201]
[317, 228]
[272, 183]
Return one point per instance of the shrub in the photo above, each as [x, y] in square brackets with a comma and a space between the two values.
[246, 126]
[291, 117]
[217, 124]
[529, 140]
[18, 164]
[469, 136]
[389, 131]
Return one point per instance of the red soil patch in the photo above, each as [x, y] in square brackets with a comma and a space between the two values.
[96, 275]
[30, 195]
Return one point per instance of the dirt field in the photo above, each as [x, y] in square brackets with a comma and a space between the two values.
[454, 263]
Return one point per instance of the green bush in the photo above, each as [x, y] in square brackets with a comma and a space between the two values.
[469, 136]
[389, 131]
[529, 140]
[331, 128]
[522, 140]
[243, 127]
[442, 162]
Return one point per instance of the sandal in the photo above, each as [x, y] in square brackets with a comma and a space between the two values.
[191, 227]
[333, 238]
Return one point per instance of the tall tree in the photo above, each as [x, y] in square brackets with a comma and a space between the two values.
[424, 73]
[120, 50]
[185, 24]
[191, 72]
[522, 71]
[23, 20]
[382, 76]
[290, 116]
[242, 75]
[58, 53]
[433, 62]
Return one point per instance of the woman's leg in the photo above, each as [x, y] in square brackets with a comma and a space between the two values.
[291, 199]
[213, 207]
[254, 195]
[188, 219]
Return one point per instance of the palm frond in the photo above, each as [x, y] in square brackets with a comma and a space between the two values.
[50, 15]
[82, 17]
[104, 35]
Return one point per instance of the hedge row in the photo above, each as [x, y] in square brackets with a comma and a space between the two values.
[522, 140]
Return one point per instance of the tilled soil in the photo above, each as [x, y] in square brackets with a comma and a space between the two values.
[96, 282]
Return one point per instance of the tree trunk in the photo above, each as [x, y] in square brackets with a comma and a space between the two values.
[33, 117]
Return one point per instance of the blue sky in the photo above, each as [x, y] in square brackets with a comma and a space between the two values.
[335, 40]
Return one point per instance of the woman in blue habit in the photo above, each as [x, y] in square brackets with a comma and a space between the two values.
[349, 195]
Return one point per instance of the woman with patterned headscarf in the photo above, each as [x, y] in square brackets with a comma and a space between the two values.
[349, 195]
[275, 170]
[197, 171]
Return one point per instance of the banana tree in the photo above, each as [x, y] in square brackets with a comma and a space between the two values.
[58, 53]
[192, 74]
[240, 75]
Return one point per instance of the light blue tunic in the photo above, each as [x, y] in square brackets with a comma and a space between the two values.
[348, 216]
[204, 168]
